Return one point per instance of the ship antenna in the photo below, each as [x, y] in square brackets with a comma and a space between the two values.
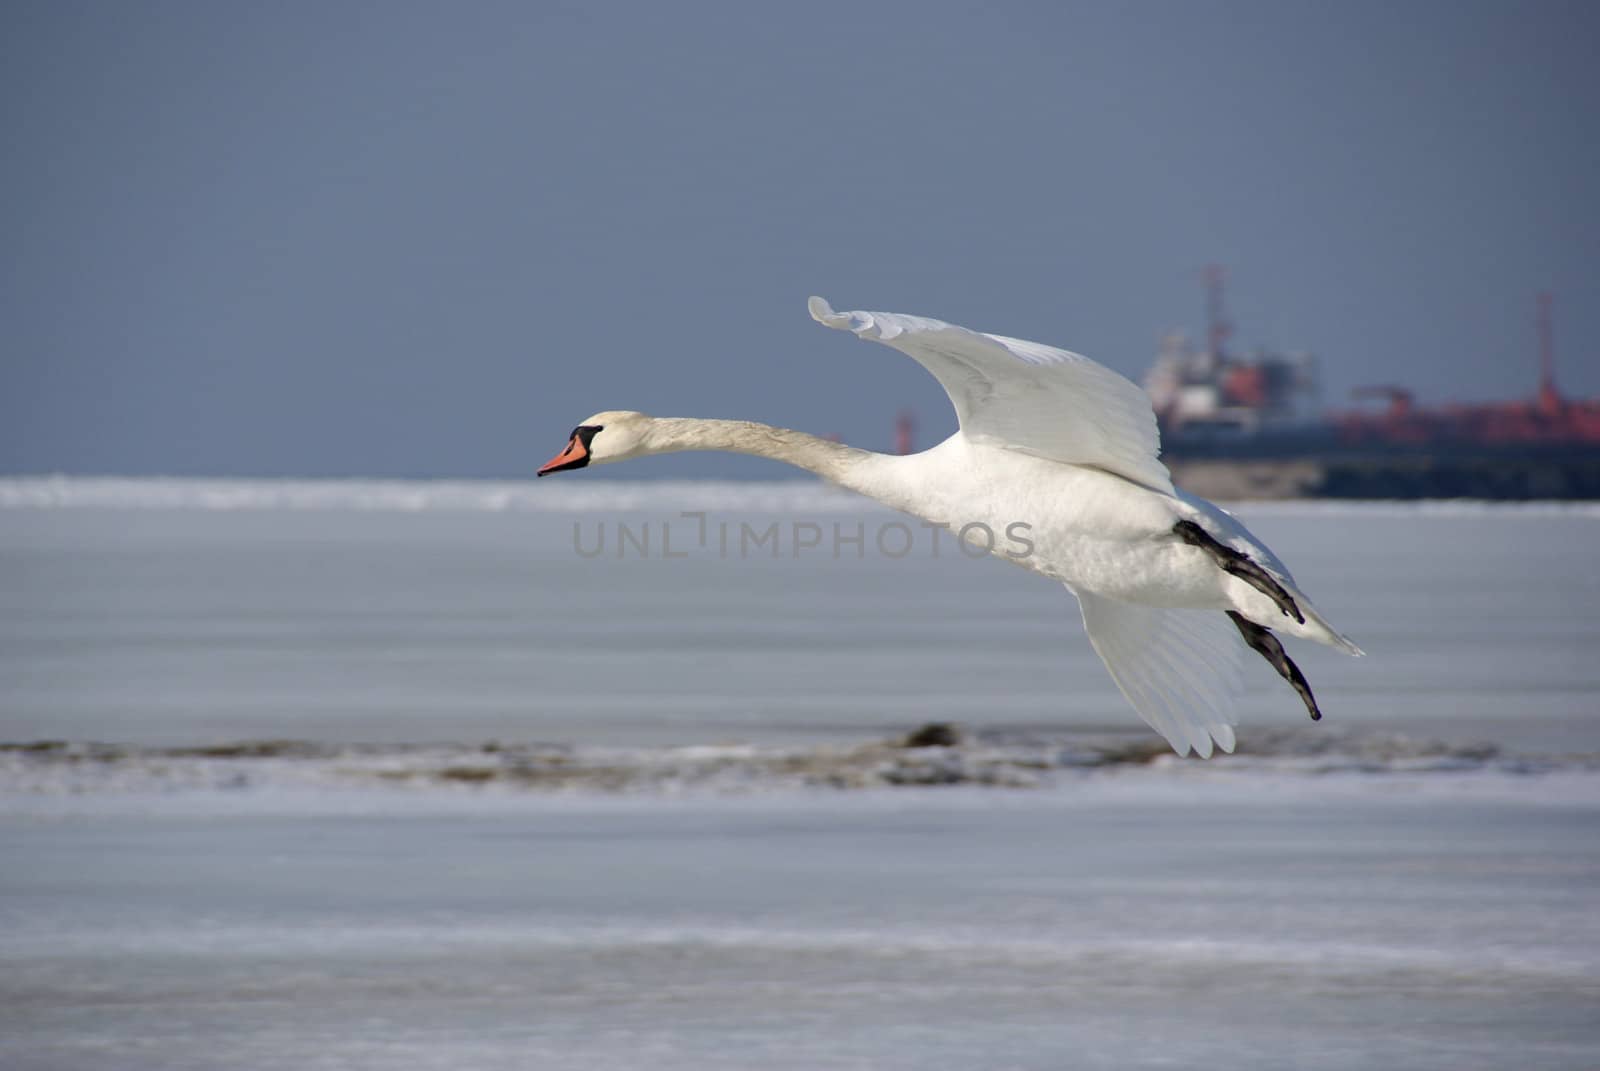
[1217, 326]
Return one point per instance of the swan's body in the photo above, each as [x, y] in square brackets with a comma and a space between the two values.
[1068, 450]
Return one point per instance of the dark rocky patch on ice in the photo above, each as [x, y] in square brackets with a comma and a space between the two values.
[936, 754]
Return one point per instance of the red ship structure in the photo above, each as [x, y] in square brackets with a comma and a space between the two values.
[1252, 426]
[1547, 419]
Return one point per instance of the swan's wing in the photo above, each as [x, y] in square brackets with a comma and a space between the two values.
[1025, 396]
[1179, 668]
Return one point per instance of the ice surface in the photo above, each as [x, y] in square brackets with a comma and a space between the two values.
[182, 626]
[1103, 926]
[507, 807]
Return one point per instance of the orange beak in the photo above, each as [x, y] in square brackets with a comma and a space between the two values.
[575, 456]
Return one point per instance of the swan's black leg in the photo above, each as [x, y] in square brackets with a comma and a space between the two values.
[1239, 565]
[1266, 644]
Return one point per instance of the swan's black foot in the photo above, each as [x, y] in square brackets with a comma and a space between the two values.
[1236, 564]
[1266, 644]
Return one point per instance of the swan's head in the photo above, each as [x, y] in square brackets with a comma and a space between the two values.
[604, 437]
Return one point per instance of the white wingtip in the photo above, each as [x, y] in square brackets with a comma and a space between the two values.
[864, 324]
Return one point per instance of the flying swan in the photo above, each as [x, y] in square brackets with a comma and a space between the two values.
[1053, 440]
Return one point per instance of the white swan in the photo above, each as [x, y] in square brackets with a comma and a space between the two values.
[1054, 441]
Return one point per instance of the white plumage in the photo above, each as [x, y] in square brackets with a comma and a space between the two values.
[1069, 449]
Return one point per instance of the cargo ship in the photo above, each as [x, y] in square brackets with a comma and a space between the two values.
[1254, 426]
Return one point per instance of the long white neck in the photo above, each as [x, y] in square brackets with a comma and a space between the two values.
[835, 462]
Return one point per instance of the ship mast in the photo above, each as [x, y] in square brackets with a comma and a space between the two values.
[1218, 327]
[1549, 399]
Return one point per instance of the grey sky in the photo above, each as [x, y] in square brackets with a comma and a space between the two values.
[426, 239]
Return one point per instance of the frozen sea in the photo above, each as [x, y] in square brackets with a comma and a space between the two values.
[360, 775]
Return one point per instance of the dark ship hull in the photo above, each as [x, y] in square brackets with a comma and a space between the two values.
[1314, 464]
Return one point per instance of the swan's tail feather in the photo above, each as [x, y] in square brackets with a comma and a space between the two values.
[1318, 629]
[1253, 606]
[1179, 668]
